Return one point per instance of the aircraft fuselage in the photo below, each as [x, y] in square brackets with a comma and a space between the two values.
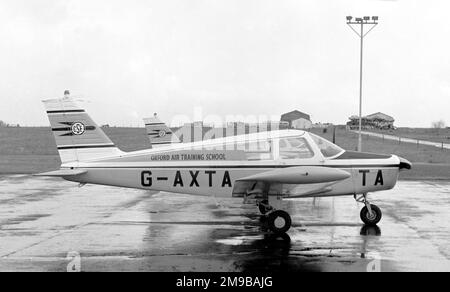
[213, 178]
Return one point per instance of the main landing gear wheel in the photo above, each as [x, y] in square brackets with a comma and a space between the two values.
[279, 221]
[368, 218]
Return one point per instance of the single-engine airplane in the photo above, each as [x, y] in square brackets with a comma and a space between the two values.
[262, 168]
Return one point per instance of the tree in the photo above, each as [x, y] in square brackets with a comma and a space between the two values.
[3, 124]
[438, 125]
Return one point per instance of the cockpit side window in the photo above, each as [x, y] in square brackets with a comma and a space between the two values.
[327, 148]
[295, 148]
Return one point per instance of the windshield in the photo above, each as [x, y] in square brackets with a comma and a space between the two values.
[327, 148]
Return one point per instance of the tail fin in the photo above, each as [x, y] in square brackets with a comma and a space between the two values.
[77, 136]
[159, 133]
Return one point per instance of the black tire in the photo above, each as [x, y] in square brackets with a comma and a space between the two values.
[279, 221]
[365, 216]
[262, 208]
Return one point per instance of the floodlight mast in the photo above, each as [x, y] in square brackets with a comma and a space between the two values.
[361, 21]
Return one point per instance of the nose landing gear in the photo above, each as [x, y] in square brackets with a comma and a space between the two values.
[370, 214]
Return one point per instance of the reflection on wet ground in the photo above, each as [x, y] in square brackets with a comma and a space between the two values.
[42, 220]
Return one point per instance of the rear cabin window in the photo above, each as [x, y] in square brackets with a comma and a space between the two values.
[246, 150]
[256, 150]
[295, 148]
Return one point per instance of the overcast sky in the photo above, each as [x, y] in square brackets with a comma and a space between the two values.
[228, 57]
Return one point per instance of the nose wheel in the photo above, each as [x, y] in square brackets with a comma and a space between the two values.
[371, 218]
[370, 214]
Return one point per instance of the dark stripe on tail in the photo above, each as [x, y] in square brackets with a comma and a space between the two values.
[66, 111]
[157, 134]
[87, 128]
[153, 124]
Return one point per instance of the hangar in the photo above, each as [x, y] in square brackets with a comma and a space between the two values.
[297, 120]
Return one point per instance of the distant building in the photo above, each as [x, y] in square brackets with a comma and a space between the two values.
[374, 121]
[297, 120]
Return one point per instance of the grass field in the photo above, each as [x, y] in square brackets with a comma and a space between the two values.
[429, 162]
[32, 150]
[426, 134]
[413, 152]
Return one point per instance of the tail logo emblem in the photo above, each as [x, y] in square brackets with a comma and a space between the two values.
[162, 133]
[78, 128]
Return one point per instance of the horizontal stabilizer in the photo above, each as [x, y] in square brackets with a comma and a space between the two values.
[62, 172]
[300, 175]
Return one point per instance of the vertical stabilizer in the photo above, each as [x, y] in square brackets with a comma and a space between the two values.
[77, 136]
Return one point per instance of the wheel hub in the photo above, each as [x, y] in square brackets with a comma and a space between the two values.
[371, 217]
[279, 222]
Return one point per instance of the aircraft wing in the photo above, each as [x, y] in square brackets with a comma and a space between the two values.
[63, 172]
[305, 181]
[300, 175]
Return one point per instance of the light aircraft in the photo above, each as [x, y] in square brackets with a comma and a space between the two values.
[263, 168]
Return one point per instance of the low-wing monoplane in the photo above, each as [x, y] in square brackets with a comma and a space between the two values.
[263, 167]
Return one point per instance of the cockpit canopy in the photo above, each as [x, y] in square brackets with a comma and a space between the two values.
[297, 145]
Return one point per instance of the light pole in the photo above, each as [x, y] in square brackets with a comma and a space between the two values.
[361, 21]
